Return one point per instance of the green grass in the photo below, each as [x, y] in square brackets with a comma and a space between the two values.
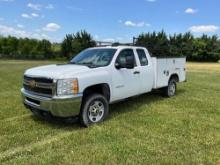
[148, 129]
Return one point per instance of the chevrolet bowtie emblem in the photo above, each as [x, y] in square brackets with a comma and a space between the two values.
[33, 84]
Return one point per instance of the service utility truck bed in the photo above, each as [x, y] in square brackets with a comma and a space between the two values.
[163, 67]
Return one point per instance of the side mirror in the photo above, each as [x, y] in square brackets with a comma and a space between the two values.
[118, 65]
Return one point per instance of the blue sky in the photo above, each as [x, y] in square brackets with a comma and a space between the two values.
[107, 20]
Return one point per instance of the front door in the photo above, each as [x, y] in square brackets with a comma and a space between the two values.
[126, 82]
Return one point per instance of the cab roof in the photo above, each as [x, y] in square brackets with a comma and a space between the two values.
[118, 47]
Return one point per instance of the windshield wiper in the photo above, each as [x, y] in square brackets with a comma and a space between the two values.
[72, 62]
[86, 63]
[89, 64]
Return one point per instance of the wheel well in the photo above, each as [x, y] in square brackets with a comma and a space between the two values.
[99, 88]
[175, 77]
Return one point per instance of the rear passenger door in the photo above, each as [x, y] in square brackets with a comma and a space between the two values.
[146, 71]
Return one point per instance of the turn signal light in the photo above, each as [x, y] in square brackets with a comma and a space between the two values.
[75, 86]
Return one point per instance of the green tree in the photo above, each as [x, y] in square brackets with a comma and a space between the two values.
[75, 43]
[206, 49]
[44, 49]
[1, 42]
[156, 43]
[66, 46]
[181, 44]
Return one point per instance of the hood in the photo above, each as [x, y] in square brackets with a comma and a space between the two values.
[56, 71]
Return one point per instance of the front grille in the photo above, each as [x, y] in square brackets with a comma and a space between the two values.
[38, 79]
[39, 86]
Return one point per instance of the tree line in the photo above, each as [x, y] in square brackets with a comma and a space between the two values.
[204, 48]
[24, 48]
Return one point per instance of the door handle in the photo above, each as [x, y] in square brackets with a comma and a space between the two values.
[136, 72]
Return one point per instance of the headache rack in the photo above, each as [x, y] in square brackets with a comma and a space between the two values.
[106, 43]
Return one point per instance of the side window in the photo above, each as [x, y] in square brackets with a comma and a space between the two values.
[142, 57]
[124, 54]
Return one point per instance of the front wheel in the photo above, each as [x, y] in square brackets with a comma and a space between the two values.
[94, 110]
[170, 90]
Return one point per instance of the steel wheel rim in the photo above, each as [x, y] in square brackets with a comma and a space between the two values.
[96, 111]
[172, 89]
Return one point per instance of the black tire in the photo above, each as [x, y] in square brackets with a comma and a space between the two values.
[170, 90]
[94, 105]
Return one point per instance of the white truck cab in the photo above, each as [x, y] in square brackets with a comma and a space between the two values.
[96, 78]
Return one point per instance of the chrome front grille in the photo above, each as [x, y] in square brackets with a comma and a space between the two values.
[39, 86]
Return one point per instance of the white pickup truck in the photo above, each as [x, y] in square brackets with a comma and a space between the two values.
[96, 78]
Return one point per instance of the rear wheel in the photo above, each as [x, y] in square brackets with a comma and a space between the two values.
[94, 109]
[170, 90]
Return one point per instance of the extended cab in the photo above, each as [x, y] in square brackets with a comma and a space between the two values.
[96, 78]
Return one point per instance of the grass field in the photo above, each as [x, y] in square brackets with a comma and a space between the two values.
[149, 129]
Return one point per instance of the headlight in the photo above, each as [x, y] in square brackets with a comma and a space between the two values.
[67, 87]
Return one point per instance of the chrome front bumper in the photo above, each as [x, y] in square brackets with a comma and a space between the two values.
[57, 106]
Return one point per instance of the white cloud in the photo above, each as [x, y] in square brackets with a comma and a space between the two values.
[151, 0]
[49, 6]
[20, 26]
[24, 15]
[7, 30]
[204, 29]
[96, 37]
[35, 6]
[130, 23]
[109, 40]
[20, 33]
[191, 11]
[38, 30]
[40, 36]
[6, 0]
[35, 15]
[32, 15]
[135, 24]
[44, 36]
[51, 27]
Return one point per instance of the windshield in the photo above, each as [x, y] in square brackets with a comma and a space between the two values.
[94, 57]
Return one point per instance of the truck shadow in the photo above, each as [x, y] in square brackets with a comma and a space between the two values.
[132, 104]
[125, 106]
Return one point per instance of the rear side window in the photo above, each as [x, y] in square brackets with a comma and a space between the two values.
[142, 57]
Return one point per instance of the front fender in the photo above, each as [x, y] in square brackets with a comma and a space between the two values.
[94, 77]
